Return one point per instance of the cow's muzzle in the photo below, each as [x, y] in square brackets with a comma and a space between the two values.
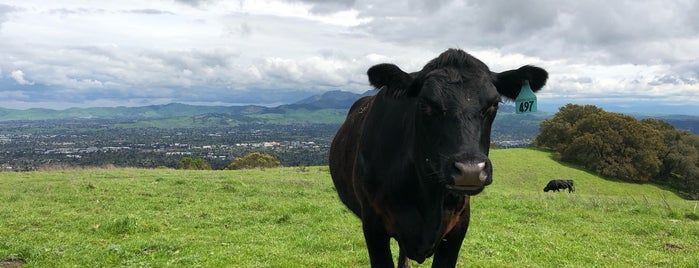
[469, 178]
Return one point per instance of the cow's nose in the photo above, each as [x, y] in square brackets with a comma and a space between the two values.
[469, 175]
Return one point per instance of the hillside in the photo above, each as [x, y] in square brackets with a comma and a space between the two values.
[291, 217]
[329, 100]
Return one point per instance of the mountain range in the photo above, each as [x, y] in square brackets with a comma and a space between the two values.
[328, 100]
[329, 107]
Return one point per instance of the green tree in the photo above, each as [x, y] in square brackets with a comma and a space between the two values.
[615, 145]
[680, 158]
[558, 131]
[254, 160]
[196, 164]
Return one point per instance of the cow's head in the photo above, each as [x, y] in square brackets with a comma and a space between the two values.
[454, 98]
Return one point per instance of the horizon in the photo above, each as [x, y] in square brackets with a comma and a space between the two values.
[647, 109]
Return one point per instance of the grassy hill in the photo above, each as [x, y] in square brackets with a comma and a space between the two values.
[291, 217]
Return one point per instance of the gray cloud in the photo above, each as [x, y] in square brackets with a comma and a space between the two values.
[581, 80]
[211, 51]
[673, 79]
[76, 11]
[194, 3]
[329, 6]
[245, 30]
[149, 11]
[4, 11]
[602, 31]
[688, 69]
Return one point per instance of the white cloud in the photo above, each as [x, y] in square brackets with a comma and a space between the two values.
[18, 76]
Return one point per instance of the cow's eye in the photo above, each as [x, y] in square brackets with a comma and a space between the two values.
[429, 107]
[425, 108]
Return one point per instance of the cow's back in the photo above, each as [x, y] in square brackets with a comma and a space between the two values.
[343, 152]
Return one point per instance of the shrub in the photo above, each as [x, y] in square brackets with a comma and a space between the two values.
[254, 160]
[195, 164]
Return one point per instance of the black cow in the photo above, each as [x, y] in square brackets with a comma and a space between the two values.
[556, 185]
[407, 159]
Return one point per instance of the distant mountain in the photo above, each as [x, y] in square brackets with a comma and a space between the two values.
[329, 100]
[143, 112]
[681, 122]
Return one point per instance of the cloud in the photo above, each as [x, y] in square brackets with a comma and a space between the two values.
[149, 11]
[76, 11]
[212, 50]
[603, 32]
[4, 11]
[18, 76]
[314, 73]
[244, 30]
[195, 3]
[329, 6]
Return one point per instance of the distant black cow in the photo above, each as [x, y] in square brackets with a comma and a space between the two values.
[407, 160]
[556, 185]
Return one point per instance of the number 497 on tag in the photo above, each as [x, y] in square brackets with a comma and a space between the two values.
[526, 106]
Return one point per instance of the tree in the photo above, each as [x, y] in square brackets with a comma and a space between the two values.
[195, 164]
[680, 158]
[558, 131]
[614, 145]
[254, 160]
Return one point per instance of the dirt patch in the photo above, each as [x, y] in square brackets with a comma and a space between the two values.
[12, 263]
[671, 246]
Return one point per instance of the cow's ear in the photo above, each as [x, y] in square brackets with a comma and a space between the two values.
[510, 82]
[387, 75]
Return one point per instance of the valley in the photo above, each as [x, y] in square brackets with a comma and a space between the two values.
[298, 134]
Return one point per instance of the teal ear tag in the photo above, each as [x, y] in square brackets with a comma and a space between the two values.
[526, 100]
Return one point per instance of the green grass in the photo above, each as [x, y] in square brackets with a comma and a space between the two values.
[289, 217]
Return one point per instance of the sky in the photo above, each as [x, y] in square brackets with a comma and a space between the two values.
[619, 55]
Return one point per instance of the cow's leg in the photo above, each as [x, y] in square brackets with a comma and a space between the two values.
[403, 261]
[377, 242]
